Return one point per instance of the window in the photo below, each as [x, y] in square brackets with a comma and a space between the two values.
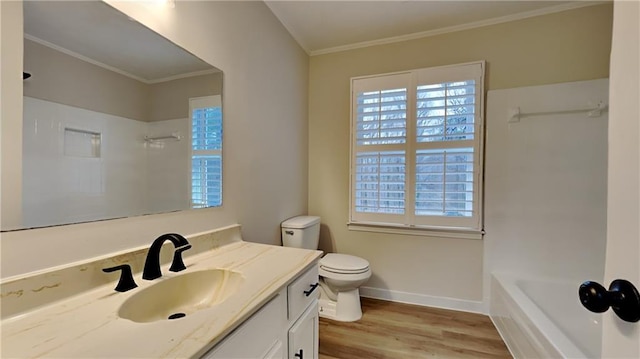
[206, 151]
[416, 148]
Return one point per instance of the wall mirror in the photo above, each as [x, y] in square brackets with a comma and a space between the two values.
[118, 121]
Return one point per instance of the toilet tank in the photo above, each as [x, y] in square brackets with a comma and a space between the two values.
[301, 232]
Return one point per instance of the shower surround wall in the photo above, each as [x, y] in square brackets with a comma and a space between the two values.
[125, 177]
[546, 189]
[546, 182]
[168, 167]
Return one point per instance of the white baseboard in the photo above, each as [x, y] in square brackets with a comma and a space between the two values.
[424, 300]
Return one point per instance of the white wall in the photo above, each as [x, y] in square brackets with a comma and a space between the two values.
[622, 339]
[265, 131]
[546, 183]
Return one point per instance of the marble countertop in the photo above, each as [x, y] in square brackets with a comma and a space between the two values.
[86, 324]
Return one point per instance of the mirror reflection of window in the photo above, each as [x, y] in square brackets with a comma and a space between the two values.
[206, 151]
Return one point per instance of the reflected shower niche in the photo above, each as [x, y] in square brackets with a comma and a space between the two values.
[80, 143]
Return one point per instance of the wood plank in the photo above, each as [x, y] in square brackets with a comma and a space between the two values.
[390, 330]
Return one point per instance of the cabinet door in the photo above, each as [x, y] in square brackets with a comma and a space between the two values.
[261, 336]
[303, 335]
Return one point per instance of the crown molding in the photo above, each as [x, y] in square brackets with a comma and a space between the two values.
[114, 69]
[82, 58]
[467, 26]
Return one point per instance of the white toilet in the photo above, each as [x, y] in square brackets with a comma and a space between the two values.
[340, 274]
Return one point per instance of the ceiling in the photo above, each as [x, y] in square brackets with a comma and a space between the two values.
[322, 26]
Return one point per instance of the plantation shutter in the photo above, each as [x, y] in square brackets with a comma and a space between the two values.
[379, 168]
[416, 144]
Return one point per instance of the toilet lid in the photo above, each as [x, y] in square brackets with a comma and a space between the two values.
[343, 263]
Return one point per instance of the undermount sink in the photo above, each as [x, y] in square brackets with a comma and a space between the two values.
[181, 295]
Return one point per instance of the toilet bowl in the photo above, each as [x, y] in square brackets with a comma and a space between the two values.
[340, 274]
[340, 277]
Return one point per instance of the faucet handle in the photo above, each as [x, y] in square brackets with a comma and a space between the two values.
[178, 264]
[126, 281]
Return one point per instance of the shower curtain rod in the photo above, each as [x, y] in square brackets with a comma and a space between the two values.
[515, 115]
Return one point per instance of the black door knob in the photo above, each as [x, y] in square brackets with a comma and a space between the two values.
[622, 297]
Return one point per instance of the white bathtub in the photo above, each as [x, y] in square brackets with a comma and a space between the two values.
[543, 318]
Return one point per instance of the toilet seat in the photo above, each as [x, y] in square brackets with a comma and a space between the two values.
[343, 264]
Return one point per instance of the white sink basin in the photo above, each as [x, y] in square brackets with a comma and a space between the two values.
[181, 295]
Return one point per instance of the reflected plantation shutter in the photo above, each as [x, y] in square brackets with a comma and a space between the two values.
[206, 151]
[416, 148]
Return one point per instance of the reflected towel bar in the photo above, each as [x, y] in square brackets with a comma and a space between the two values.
[174, 136]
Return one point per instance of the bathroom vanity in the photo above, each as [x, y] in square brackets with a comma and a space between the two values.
[288, 323]
[259, 301]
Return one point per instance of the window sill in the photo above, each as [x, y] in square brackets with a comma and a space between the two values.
[460, 233]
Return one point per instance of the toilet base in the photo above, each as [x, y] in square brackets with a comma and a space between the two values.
[345, 309]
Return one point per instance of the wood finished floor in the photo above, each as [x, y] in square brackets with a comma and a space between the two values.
[395, 330]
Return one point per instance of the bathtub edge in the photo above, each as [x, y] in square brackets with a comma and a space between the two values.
[519, 333]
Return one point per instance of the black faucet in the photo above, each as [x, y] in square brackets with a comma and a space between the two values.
[152, 263]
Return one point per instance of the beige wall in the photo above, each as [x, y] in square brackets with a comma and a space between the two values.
[11, 113]
[170, 99]
[265, 132]
[64, 79]
[567, 46]
[67, 80]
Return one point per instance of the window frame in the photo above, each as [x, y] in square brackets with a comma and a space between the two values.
[409, 223]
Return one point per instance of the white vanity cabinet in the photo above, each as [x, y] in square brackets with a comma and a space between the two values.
[285, 327]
